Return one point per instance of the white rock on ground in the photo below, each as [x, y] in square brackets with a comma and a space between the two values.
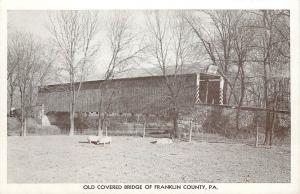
[99, 139]
[93, 138]
[105, 140]
[164, 141]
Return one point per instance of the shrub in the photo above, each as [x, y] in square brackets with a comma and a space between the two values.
[282, 127]
[223, 122]
[217, 122]
[48, 130]
[13, 126]
[32, 125]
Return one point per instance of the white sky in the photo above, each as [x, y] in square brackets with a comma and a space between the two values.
[29, 21]
[36, 22]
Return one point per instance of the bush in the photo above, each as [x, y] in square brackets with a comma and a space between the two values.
[13, 126]
[282, 127]
[48, 130]
[117, 128]
[32, 125]
[223, 122]
[217, 122]
[34, 128]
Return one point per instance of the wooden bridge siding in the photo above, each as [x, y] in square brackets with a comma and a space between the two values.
[134, 96]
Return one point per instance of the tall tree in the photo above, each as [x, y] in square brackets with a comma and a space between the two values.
[125, 49]
[170, 51]
[216, 37]
[243, 38]
[272, 57]
[29, 62]
[73, 34]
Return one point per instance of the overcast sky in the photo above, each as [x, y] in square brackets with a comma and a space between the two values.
[36, 22]
[29, 21]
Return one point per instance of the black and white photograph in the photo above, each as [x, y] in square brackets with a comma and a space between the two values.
[177, 98]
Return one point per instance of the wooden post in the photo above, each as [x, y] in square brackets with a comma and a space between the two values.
[191, 128]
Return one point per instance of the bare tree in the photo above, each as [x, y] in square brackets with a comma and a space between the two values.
[217, 36]
[125, 51]
[14, 58]
[170, 51]
[271, 41]
[28, 65]
[243, 38]
[241, 42]
[73, 35]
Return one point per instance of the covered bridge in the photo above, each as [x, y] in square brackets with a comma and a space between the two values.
[138, 95]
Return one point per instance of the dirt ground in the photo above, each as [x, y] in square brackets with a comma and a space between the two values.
[64, 159]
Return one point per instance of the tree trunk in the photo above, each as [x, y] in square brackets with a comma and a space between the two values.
[72, 125]
[272, 123]
[11, 95]
[272, 128]
[225, 88]
[106, 125]
[10, 103]
[237, 119]
[100, 120]
[241, 100]
[268, 129]
[25, 127]
[22, 111]
[256, 129]
[190, 132]
[144, 127]
[175, 125]
[22, 121]
[100, 125]
[265, 63]
[225, 92]
[268, 117]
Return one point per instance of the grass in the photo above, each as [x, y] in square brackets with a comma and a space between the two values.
[64, 159]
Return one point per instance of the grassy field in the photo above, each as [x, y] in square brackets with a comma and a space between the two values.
[64, 159]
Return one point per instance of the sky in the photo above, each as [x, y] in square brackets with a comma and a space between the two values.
[28, 21]
[36, 22]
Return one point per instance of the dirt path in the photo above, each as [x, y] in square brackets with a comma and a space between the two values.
[64, 159]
